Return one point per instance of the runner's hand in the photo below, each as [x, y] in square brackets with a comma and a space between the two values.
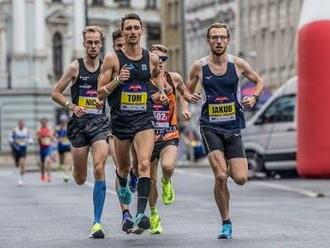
[78, 111]
[192, 98]
[249, 101]
[124, 74]
[163, 98]
[186, 115]
[99, 103]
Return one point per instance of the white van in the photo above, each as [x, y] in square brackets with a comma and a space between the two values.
[270, 135]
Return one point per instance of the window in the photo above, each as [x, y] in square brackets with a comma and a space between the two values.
[98, 2]
[123, 3]
[57, 55]
[281, 110]
[57, 1]
[151, 4]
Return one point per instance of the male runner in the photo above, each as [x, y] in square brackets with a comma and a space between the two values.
[222, 117]
[89, 125]
[126, 75]
[167, 136]
[45, 136]
[118, 43]
[18, 139]
[64, 147]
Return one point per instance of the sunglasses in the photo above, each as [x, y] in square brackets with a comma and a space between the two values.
[163, 58]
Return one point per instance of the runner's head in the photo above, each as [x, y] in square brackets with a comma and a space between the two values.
[44, 122]
[161, 52]
[21, 124]
[218, 37]
[118, 41]
[93, 37]
[131, 26]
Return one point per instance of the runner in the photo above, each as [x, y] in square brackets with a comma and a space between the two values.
[19, 138]
[126, 75]
[89, 125]
[222, 117]
[167, 136]
[64, 148]
[45, 139]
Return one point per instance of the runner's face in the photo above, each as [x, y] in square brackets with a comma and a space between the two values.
[162, 59]
[218, 41]
[119, 44]
[132, 31]
[92, 44]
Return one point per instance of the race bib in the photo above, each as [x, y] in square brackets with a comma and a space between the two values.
[220, 110]
[162, 116]
[134, 97]
[87, 100]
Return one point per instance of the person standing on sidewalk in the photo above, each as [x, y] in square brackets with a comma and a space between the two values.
[222, 117]
[19, 138]
[88, 126]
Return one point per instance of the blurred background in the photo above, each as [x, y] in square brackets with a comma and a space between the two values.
[39, 38]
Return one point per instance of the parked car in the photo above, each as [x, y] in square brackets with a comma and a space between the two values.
[270, 135]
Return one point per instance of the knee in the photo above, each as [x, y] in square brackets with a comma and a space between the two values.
[240, 180]
[221, 178]
[80, 179]
[99, 170]
[144, 166]
[167, 166]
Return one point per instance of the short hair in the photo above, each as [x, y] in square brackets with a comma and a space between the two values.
[116, 34]
[93, 29]
[217, 25]
[130, 16]
[158, 47]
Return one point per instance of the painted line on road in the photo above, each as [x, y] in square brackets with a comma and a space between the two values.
[308, 193]
[304, 192]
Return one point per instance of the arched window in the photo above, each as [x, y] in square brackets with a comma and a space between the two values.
[57, 55]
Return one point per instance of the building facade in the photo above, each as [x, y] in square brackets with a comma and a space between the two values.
[199, 14]
[268, 37]
[39, 38]
[172, 33]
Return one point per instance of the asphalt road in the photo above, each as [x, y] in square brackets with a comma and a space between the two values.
[270, 213]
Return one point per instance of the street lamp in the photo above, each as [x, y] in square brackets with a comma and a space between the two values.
[86, 13]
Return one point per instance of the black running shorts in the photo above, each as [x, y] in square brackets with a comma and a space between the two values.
[86, 130]
[160, 145]
[230, 144]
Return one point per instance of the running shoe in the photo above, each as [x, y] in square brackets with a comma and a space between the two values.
[97, 231]
[66, 178]
[141, 223]
[124, 195]
[132, 183]
[168, 195]
[155, 224]
[20, 182]
[127, 222]
[43, 178]
[226, 232]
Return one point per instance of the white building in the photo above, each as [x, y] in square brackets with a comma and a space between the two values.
[199, 14]
[39, 38]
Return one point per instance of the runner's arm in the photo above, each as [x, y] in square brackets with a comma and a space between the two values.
[185, 93]
[107, 81]
[69, 75]
[194, 80]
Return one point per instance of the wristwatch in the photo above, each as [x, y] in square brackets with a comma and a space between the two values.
[256, 97]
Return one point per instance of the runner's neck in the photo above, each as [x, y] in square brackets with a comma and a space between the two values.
[91, 64]
[218, 60]
[133, 52]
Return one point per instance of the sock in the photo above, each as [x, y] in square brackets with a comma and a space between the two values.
[143, 189]
[98, 199]
[122, 180]
[226, 222]
[153, 210]
[131, 173]
[165, 180]
[125, 211]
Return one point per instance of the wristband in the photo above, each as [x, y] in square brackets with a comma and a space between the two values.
[106, 90]
[117, 81]
[69, 106]
[161, 91]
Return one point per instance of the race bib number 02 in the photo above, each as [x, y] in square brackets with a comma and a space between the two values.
[222, 112]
